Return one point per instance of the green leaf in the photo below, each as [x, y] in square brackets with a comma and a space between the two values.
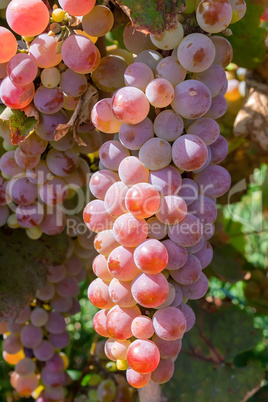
[248, 37]
[152, 16]
[204, 369]
[21, 122]
[24, 265]
[227, 263]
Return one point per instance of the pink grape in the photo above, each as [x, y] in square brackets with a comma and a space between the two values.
[61, 340]
[189, 152]
[143, 356]
[209, 230]
[130, 231]
[131, 171]
[167, 349]
[121, 264]
[56, 323]
[67, 287]
[44, 50]
[188, 191]
[130, 105]
[192, 99]
[177, 255]
[214, 181]
[12, 344]
[150, 290]
[25, 367]
[16, 97]
[27, 19]
[214, 78]
[74, 266]
[29, 216]
[133, 136]
[39, 174]
[169, 323]
[167, 180]
[205, 255]
[112, 153]
[48, 100]
[204, 209]
[100, 268]
[48, 124]
[164, 371]
[105, 242]
[196, 290]
[98, 294]
[170, 69]
[54, 222]
[189, 316]
[51, 379]
[137, 380]
[103, 118]
[155, 154]
[22, 191]
[224, 51]
[61, 304]
[8, 45]
[136, 41]
[196, 52]
[142, 327]
[218, 107]
[194, 249]
[219, 150]
[96, 217]
[189, 273]
[80, 54]
[99, 323]
[46, 292]
[119, 349]
[101, 181]
[33, 145]
[119, 321]
[72, 83]
[55, 364]
[81, 8]
[168, 125]
[186, 233]
[31, 336]
[44, 351]
[26, 161]
[151, 256]
[160, 92]
[156, 229]
[214, 17]
[115, 199]
[206, 129]
[25, 385]
[22, 69]
[53, 192]
[138, 75]
[142, 200]
[172, 209]
[120, 293]
[178, 294]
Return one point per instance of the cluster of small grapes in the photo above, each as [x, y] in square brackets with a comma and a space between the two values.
[33, 341]
[156, 191]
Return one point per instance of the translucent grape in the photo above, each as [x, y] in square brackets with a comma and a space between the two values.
[218, 107]
[214, 78]
[26, 161]
[112, 153]
[31, 336]
[98, 294]
[133, 136]
[99, 323]
[100, 268]
[98, 22]
[53, 192]
[109, 75]
[169, 323]
[167, 349]
[168, 39]
[25, 367]
[168, 125]
[81, 8]
[189, 152]
[172, 210]
[164, 371]
[142, 200]
[224, 51]
[206, 129]
[22, 69]
[155, 154]
[120, 347]
[143, 356]
[48, 100]
[214, 17]
[127, 56]
[27, 19]
[150, 290]
[62, 163]
[80, 54]
[130, 231]
[194, 249]
[167, 180]
[219, 150]
[44, 351]
[119, 321]
[131, 171]
[188, 191]
[137, 380]
[16, 97]
[142, 327]
[33, 145]
[105, 242]
[29, 216]
[22, 191]
[186, 233]
[121, 264]
[205, 255]
[25, 385]
[120, 294]
[197, 289]
[177, 255]
[136, 41]
[156, 229]
[44, 49]
[96, 217]
[204, 209]
[48, 124]
[192, 99]
[115, 199]
[8, 45]
[138, 75]
[214, 181]
[159, 92]
[170, 69]
[239, 8]
[54, 222]
[189, 316]
[130, 105]
[149, 57]
[151, 256]
[103, 118]
[189, 273]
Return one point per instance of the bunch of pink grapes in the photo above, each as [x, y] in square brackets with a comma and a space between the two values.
[32, 342]
[155, 193]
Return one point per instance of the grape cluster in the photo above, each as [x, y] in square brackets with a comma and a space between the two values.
[33, 342]
[156, 190]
